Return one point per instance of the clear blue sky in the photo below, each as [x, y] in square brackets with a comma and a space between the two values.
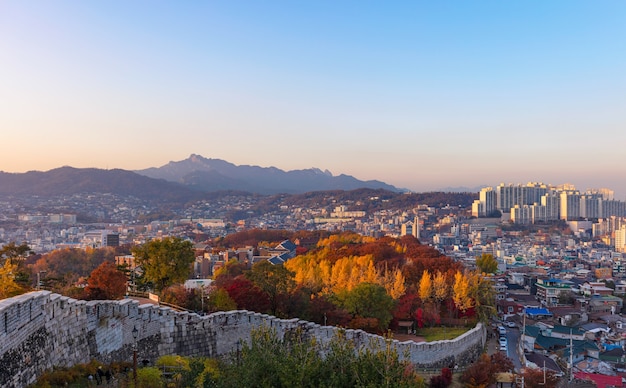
[419, 94]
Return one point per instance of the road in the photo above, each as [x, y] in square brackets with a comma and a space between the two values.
[513, 338]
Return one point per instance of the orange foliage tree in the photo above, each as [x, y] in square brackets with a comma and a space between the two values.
[106, 282]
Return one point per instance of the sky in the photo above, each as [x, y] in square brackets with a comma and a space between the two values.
[422, 95]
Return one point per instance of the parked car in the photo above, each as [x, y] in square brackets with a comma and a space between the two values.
[503, 344]
[511, 324]
[501, 330]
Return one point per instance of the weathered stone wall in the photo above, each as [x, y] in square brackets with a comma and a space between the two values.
[40, 330]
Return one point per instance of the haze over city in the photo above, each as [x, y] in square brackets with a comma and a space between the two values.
[421, 95]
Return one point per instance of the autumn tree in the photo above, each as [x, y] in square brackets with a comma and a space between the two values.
[483, 372]
[540, 378]
[275, 281]
[8, 286]
[425, 289]
[460, 292]
[106, 282]
[179, 295]
[394, 283]
[15, 255]
[231, 269]
[483, 295]
[165, 261]
[440, 289]
[246, 295]
[486, 263]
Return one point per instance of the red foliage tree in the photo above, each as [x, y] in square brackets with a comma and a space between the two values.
[405, 308]
[247, 295]
[324, 312]
[443, 380]
[419, 316]
[106, 282]
[180, 296]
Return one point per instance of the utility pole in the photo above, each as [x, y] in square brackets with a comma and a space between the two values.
[571, 356]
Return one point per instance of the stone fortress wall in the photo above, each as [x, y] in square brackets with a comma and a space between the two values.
[40, 330]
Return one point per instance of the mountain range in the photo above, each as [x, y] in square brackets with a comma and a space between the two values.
[182, 180]
[209, 175]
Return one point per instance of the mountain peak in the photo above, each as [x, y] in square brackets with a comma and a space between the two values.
[216, 174]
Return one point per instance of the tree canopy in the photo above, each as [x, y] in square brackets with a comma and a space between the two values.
[106, 282]
[486, 263]
[166, 261]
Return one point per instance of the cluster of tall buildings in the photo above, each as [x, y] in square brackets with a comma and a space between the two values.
[538, 202]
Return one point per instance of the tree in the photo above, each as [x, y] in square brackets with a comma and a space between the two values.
[442, 380]
[486, 263]
[106, 282]
[8, 286]
[394, 283]
[219, 300]
[247, 295]
[425, 287]
[483, 295]
[535, 378]
[165, 261]
[296, 361]
[369, 300]
[13, 252]
[275, 280]
[440, 288]
[460, 292]
[483, 372]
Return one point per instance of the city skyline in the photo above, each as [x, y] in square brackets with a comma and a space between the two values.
[420, 95]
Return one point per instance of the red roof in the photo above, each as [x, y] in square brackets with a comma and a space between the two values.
[602, 381]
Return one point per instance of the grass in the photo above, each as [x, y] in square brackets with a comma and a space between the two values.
[440, 333]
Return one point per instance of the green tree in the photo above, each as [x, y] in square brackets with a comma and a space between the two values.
[176, 366]
[219, 300]
[368, 300]
[275, 281]
[16, 255]
[486, 263]
[296, 361]
[483, 294]
[150, 377]
[13, 252]
[165, 261]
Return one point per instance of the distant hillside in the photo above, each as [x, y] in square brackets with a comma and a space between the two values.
[216, 175]
[69, 180]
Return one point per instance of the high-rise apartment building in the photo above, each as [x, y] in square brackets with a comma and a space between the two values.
[485, 204]
[620, 239]
[552, 202]
[547, 203]
[510, 195]
[570, 205]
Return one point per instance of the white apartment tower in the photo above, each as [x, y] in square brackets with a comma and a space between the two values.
[552, 203]
[485, 204]
[591, 205]
[510, 195]
[570, 205]
[620, 239]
